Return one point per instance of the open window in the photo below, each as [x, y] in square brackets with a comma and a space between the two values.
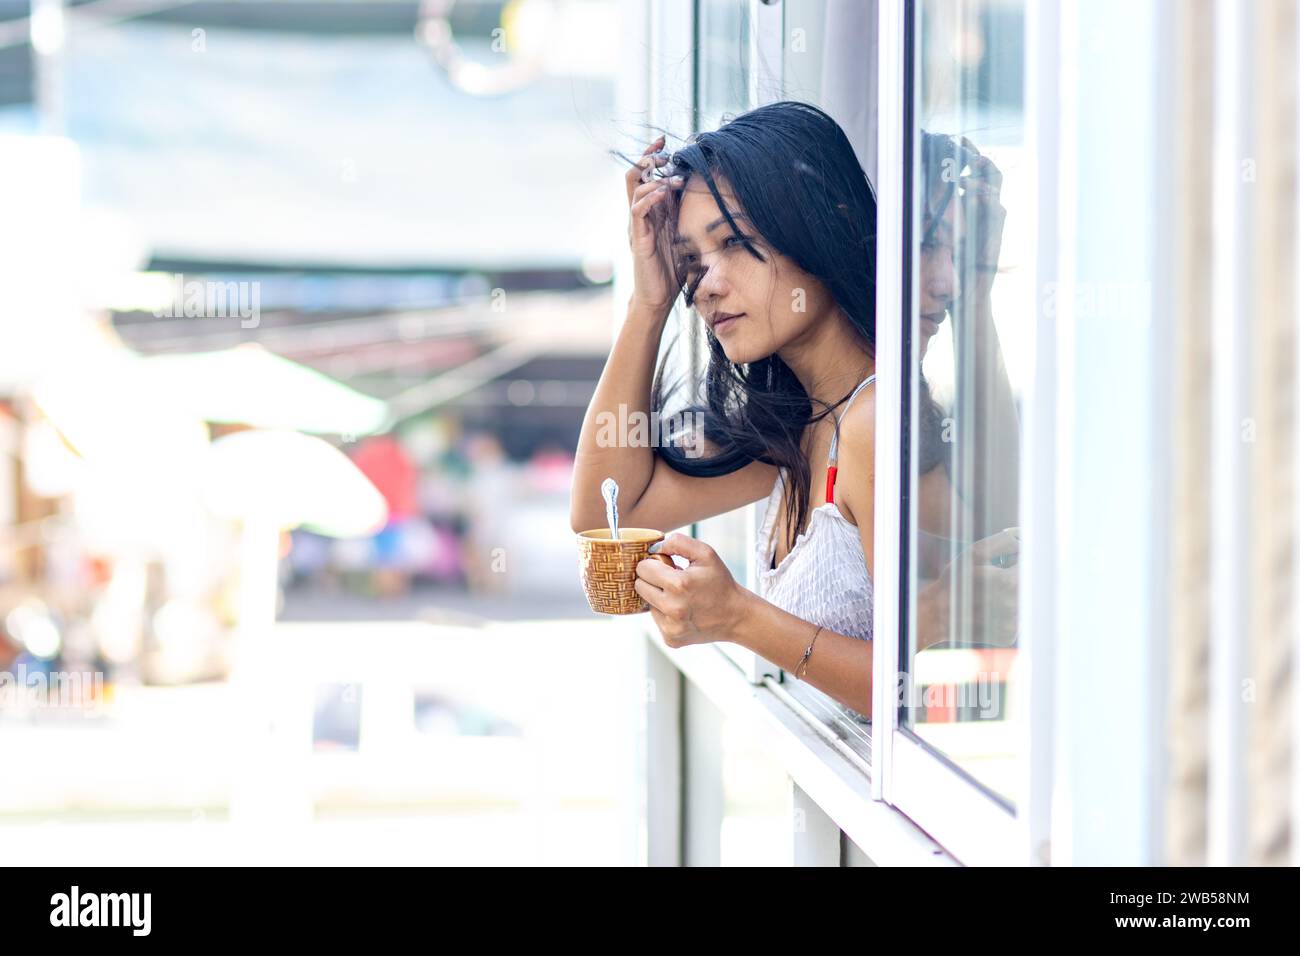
[750, 52]
[958, 198]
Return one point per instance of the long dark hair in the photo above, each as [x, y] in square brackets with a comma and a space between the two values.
[797, 178]
[793, 171]
[942, 161]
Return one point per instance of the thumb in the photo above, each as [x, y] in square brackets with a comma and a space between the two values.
[1004, 542]
[689, 548]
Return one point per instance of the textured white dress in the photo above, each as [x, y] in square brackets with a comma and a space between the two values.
[824, 578]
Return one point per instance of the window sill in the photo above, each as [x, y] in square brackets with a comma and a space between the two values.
[834, 779]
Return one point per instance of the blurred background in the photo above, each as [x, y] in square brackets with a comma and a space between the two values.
[304, 303]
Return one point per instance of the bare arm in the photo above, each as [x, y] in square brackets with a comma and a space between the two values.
[651, 493]
[840, 666]
[995, 428]
[994, 421]
[603, 447]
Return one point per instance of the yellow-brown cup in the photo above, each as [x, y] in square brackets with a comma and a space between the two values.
[608, 567]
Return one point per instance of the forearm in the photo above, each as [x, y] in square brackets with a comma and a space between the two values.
[995, 428]
[839, 666]
[932, 617]
[603, 448]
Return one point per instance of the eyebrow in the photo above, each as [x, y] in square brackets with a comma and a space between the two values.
[683, 240]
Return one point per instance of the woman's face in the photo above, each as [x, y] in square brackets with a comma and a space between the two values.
[775, 302]
[938, 267]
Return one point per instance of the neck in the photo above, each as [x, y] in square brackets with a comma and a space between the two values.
[830, 360]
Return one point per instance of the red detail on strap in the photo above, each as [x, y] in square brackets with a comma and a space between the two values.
[830, 483]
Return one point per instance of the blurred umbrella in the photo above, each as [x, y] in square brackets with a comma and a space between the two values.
[111, 416]
[137, 459]
[292, 480]
[249, 385]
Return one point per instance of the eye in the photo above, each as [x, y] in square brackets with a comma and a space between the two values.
[735, 241]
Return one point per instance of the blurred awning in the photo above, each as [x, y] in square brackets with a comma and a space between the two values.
[251, 385]
[290, 480]
[365, 156]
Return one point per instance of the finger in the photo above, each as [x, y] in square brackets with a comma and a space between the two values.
[645, 228]
[979, 184]
[636, 175]
[660, 620]
[641, 208]
[1004, 542]
[644, 169]
[645, 189]
[691, 549]
[1004, 581]
[653, 571]
[653, 596]
[984, 168]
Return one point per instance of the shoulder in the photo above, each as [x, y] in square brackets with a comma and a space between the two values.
[858, 428]
[855, 480]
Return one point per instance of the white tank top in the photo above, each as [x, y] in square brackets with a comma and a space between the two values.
[824, 578]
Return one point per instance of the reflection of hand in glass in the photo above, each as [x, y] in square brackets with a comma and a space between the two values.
[984, 215]
[983, 583]
[989, 420]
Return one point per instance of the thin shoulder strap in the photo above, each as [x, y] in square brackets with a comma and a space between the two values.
[835, 439]
[833, 457]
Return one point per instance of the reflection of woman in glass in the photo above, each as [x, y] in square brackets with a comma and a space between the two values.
[961, 226]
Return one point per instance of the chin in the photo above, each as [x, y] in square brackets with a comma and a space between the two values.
[737, 354]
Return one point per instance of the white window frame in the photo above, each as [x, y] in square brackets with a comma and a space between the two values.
[1090, 785]
[1232, 299]
[967, 819]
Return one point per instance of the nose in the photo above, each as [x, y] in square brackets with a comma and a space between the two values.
[713, 283]
[938, 281]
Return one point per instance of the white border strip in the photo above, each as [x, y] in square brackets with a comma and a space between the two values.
[1230, 380]
[1295, 554]
[1038, 621]
[889, 398]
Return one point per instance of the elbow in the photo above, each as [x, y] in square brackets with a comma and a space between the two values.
[580, 520]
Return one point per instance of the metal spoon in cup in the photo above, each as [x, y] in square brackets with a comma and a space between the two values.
[609, 491]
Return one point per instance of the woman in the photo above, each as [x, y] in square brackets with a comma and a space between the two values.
[769, 224]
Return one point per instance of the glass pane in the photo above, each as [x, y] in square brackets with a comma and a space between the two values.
[970, 328]
[723, 65]
[723, 71]
[803, 50]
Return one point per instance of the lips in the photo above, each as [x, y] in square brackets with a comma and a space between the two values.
[725, 320]
[930, 323]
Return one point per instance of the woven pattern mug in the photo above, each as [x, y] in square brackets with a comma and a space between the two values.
[608, 568]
